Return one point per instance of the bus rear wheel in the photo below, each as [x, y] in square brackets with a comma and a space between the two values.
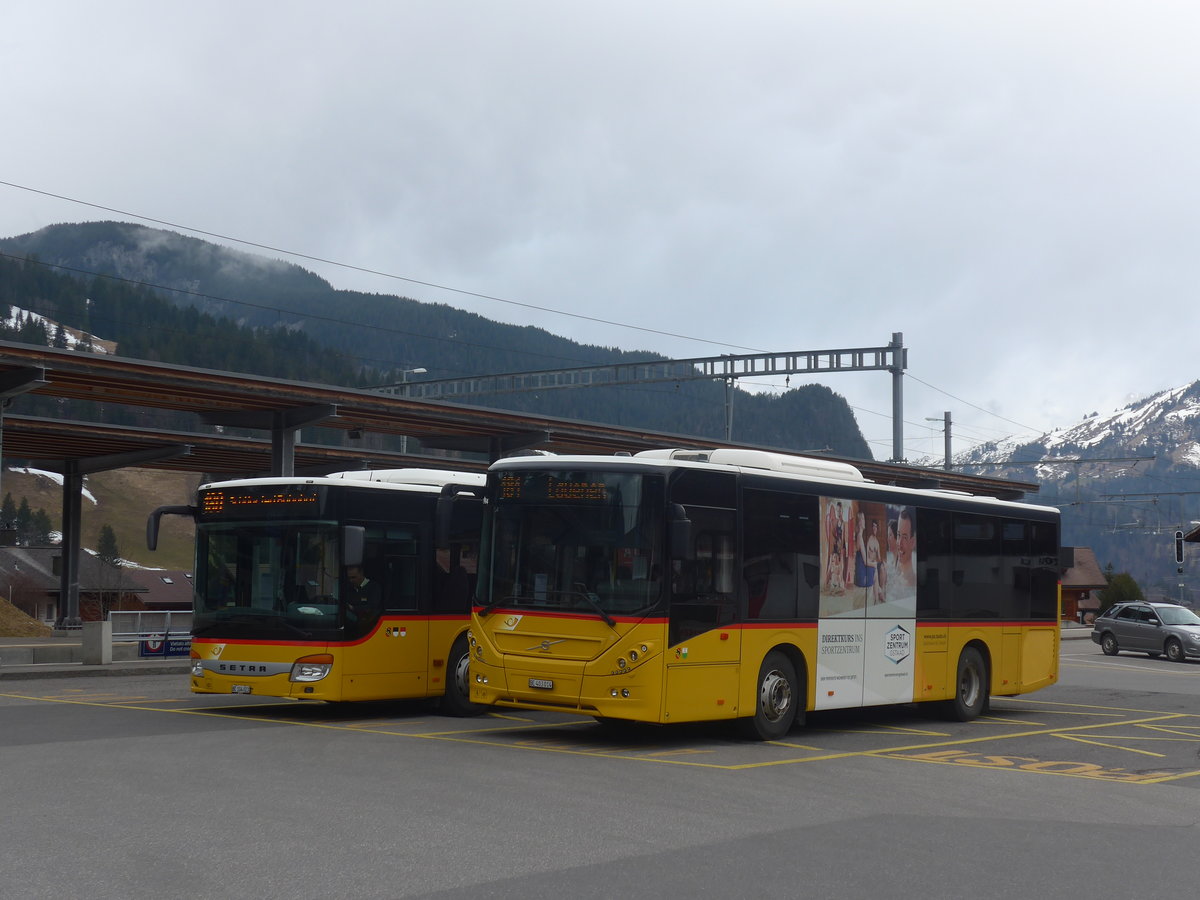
[970, 687]
[776, 700]
[457, 699]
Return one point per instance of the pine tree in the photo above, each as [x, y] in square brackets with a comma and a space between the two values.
[42, 526]
[24, 519]
[106, 547]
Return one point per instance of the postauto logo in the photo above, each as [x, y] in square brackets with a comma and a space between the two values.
[897, 644]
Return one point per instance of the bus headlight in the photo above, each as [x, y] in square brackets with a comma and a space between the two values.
[312, 668]
[197, 665]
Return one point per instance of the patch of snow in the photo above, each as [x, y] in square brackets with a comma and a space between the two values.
[52, 476]
[75, 339]
[1189, 454]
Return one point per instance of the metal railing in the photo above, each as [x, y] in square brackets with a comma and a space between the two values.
[137, 624]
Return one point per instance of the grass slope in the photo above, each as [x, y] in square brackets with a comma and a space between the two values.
[14, 623]
[124, 499]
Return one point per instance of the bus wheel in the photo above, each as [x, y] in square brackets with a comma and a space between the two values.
[775, 700]
[970, 687]
[457, 699]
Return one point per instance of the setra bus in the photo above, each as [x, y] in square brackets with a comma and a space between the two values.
[683, 586]
[333, 588]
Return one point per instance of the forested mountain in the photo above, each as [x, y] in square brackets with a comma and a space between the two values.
[167, 297]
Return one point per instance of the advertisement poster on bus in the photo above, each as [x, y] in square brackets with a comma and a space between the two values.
[868, 559]
[868, 596]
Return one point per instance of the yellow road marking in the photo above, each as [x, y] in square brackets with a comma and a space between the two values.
[671, 757]
[1074, 737]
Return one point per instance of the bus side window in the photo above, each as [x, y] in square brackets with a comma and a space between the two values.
[1043, 580]
[935, 559]
[978, 577]
[780, 534]
[402, 582]
[454, 578]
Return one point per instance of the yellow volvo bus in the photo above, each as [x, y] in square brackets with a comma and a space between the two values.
[683, 586]
[333, 588]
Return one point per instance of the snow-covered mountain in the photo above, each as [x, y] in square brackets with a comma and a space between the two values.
[1166, 425]
[1125, 482]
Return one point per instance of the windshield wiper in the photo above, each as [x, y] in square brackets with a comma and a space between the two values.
[523, 602]
[612, 623]
[495, 603]
[296, 628]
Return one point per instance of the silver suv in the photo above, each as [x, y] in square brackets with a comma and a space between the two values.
[1151, 628]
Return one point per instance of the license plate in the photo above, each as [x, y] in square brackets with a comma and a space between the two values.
[240, 689]
[544, 684]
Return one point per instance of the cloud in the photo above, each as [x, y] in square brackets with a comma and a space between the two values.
[1013, 187]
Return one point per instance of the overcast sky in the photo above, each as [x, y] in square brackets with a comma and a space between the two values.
[1013, 186]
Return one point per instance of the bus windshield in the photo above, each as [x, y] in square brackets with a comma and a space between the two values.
[268, 577]
[577, 541]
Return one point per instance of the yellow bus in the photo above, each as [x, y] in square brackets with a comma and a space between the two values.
[684, 586]
[333, 588]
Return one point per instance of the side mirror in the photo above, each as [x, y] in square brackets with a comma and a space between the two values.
[152, 521]
[443, 517]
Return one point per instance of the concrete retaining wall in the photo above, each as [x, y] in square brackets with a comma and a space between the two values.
[56, 653]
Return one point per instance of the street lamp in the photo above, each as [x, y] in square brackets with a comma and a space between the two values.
[946, 419]
[404, 373]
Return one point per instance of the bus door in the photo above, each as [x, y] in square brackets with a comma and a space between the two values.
[703, 646]
[388, 652]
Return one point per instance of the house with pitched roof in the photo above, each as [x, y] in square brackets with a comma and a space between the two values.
[31, 579]
[1081, 587]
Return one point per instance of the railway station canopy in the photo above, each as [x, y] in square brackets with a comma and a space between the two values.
[222, 405]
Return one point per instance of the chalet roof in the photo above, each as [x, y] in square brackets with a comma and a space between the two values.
[163, 587]
[1086, 574]
[39, 568]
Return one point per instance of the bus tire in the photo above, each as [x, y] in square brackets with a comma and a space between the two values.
[457, 699]
[970, 687]
[775, 700]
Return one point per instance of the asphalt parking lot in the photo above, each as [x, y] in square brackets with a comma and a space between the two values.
[130, 786]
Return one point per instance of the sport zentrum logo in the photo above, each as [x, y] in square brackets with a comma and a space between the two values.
[897, 644]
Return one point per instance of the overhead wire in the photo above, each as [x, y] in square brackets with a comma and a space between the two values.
[384, 364]
[433, 285]
[368, 271]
